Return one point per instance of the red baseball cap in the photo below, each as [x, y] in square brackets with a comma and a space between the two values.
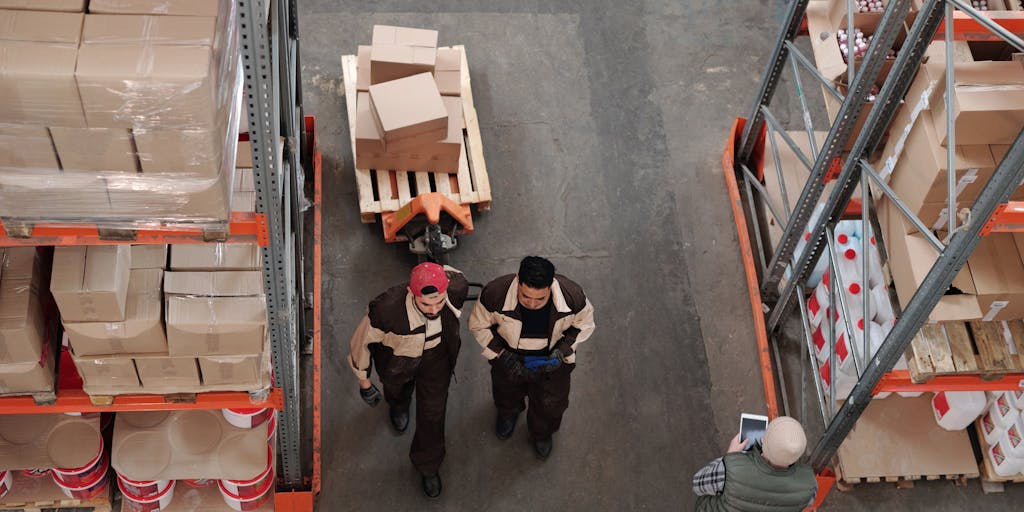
[427, 274]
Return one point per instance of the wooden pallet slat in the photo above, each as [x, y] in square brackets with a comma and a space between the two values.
[474, 144]
[992, 351]
[960, 347]
[404, 195]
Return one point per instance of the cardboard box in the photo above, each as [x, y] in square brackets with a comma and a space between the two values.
[165, 7]
[196, 444]
[93, 150]
[127, 29]
[183, 153]
[409, 112]
[217, 370]
[215, 257]
[214, 284]
[363, 68]
[22, 321]
[90, 284]
[399, 52]
[30, 377]
[52, 195]
[920, 174]
[825, 19]
[126, 85]
[149, 256]
[998, 154]
[998, 274]
[215, 313]
[368, 136]
[40, 51]
[165, 197]
[245, 180]
[45, 5]
[448, 72]
[29, 441]
[164, 374]
[243, 201]
[243, 154]
[142, 330]
[26, 148]
[988, 103]
[437, 156]
[108, 375]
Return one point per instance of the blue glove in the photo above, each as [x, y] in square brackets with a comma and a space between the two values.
[535, 363]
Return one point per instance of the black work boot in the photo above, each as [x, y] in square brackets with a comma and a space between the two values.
[432, 485]
[504, 427]
[399, 419]
[542, 447]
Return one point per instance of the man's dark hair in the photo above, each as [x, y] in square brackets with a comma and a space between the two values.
[536, 272]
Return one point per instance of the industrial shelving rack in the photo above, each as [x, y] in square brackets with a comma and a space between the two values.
[282, 147]
[778, 282]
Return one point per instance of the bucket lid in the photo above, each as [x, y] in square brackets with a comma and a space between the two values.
[148, 499]
[257, 478]
[100, 476]
[129, 481]
[91, 463]
[262, 491]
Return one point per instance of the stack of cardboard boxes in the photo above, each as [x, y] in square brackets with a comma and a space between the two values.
[408, 109]
[118, 110]
[135, 328]
[27, 321]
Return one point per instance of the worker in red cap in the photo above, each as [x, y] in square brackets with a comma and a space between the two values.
[530, 325]
[411, 333]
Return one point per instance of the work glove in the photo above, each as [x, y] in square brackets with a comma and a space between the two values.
[370, 395]
[556, 358]
[512, 365]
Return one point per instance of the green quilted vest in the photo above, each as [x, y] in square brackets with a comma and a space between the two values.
[753, 485]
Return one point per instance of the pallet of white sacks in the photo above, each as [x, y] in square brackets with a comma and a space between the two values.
[388, 190]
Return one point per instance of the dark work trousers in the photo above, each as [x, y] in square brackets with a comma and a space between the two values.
[548, 394]
[429, 379]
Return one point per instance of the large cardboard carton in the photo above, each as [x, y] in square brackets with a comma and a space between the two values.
[824, 20]
[93, 150]
[45, 5]
[90, 284]
[243, 154]
[180, 153]
[142, 330]
[998, 153]
[149, 256]
[215, 257]
[243, 201]
[998, 274]
[165, 7]
[162, 374]
[219, 370]
[920, 174]
[22, 320]
[169, 445]
[40, 51]
[409, 112]
[448, 72]
[125, 85]
[399, 52]
[166, 197]
[30, 377]
[29, 441]
[173, 30]
[435, 156]
[988, 103]
[215, 313]
[363, 68]
[25, 148]
[108, 375]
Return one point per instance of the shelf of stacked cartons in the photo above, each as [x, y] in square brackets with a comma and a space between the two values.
[977, 352]
[155, 144]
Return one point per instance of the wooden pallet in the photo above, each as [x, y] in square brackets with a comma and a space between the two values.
[25, 228]
[33, 494]
[844, 483]
[107, 400]
[388, 190]
[981, 348]
[39, 397]
[990, 481]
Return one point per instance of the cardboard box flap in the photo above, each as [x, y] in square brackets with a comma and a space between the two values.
[45, 5]
[411, 55]
[149, 256]
[41, 27]
[68, 268]
[996, 267]
[163, 7]
[168, 30]
[20, 262]
[100, 263]
[218, 256]
[448, 59]
[214, 284]
[108, 371]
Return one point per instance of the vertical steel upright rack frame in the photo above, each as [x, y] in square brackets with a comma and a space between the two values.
[269, 44]
[828, 163]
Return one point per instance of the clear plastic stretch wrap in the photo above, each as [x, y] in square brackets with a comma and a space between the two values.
[122, 119]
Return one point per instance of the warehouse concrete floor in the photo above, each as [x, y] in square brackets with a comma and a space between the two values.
[603, 124]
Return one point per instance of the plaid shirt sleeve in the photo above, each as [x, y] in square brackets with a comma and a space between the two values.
[710, 480]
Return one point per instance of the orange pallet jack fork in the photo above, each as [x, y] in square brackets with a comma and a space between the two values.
[431, 205]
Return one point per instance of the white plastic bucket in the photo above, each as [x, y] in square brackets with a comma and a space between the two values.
[991, 431]
[1003, 463]
[254, 486]
[87, 489]
[241, 504]
[75, 477]
[247, 418]
[271, 429]
[141, 488]
[6, 480]
[1003, 413]
[844, 381]
[955, 410]
[146, 503]
[36, 473]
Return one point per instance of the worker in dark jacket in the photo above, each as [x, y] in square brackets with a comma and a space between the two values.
[765, 479]
[411, 334]
[530, 325]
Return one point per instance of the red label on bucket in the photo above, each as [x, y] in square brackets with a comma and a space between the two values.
[941, 404]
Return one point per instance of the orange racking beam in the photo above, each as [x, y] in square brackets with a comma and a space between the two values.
[76, 400]
[899, 381]
[1007, 218]
[966, 28]
[245, 227]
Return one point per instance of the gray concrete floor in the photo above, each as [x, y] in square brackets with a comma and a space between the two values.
[603, 124]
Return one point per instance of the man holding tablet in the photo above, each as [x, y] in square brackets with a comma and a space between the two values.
[756, 476]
